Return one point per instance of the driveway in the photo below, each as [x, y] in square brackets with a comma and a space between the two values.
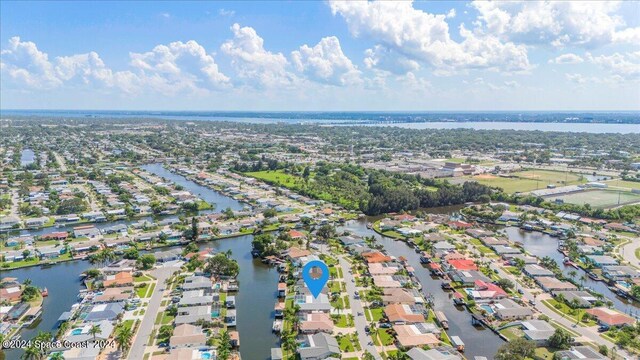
[146, 326]
[360, 321]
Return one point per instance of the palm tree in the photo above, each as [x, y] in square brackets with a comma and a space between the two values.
[572, 274]
[31, 353]
[57, 356]
[289, 341]
[123, 338]
[27, 282]
[95, 330]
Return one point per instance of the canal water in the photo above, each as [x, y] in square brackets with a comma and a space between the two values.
[541, 245]
[63, 283]
[212, 197]
[478, 341]
[256, 299]
[254, 302]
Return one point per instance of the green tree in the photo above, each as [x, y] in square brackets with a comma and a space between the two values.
[146, 261]
[224, 347]
[560, 339]
[123, 338]
[517, 349]
[95, 330]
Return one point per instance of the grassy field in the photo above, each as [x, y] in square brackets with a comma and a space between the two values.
[551, 177]
[278, 177]
[598, 198]
[624, 184]
[529, 180]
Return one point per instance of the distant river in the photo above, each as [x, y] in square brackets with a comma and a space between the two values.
[505, 125]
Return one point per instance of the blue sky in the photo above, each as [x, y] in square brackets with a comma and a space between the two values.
[308, 55]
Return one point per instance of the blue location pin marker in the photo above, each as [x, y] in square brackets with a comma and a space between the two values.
[315, 274]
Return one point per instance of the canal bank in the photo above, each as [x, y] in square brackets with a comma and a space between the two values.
[257, 293]
[479, 341]
[541, 245]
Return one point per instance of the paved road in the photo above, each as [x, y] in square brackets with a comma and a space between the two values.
[146, 326]
[61, 162]
[628, 252]
[356, 307]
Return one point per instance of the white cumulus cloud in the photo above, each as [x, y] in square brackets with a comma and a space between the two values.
[569, 58]
[558, 23]
[179, 66]
[326, 63]
[253, 63]
[423, 37]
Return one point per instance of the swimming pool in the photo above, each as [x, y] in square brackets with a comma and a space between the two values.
[487, 308]
[76, 331]
[205, 355]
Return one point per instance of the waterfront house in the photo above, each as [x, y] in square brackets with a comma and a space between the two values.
[36, 222]
[459, 225]
[503, 250]
[123, 278]
[620, 273]
[310, 304]
[551, 284]
[467, 278]
[58, 235]
[88, 231]
[512, 258]
[388, 268]
[81, 333]
[582, 298]
[196, 282]
[86, 246]
[312, 323]
[535, 270]
[404, 313]
[318, 346]
[182, 353]
[486, 292]
[193, 314]
[117, 243]
[419, 334]
[9, 222]
[114, 294]
[401, 296]
[127, 265]
[10, 294]
[491, 241]
[104, 312]
[463, 264]
[115, 229]
[187, 335]
[434, 237]
[601, 260]
[507, 309]
[375, 257]
[50, 252]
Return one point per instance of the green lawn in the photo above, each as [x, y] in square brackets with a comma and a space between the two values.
[341, 321]
[385, 338]
[564, 309]
[278, 177]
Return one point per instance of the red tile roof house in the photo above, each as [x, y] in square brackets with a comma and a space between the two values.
[402, 314]
[375, 257]
[294, 234]
[463, 264]
[120, 279]
[60, 235]
[404, 217]
[609, 317]
[486, 292]
[459, 225]
[11, 294]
